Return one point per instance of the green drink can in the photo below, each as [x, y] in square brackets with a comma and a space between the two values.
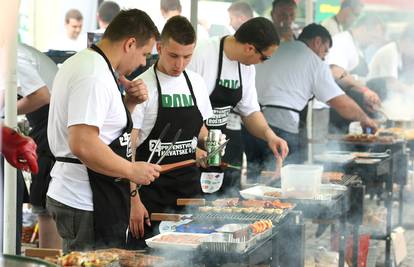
[213, 142]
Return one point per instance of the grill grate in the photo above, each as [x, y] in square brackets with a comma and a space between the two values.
[238, 217]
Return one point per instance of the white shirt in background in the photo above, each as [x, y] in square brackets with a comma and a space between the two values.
[145, 114]
[386, 62]
[344, 52]
[205, 62]
[34, 70]
[84, 92]
[292, 76]
[64, 43]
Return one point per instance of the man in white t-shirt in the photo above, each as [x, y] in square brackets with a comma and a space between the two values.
[347, 14]
[227, 66]
[71, 39]
[396, 59]
[345, 57]
[283, 15]
[239, 13]
[89, 131]
[177, 97]
[35, 74]
[294, 75]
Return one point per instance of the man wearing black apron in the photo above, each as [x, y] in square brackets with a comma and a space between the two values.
[288, 81]
[35, 74]
[225, 65]
[89, 130]
[179, 98]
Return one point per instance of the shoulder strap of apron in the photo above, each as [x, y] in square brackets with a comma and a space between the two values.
[220, 63]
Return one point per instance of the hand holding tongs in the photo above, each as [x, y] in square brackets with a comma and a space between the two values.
[174, 140]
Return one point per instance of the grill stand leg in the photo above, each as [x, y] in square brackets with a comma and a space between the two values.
[388, 204]
[292, 251]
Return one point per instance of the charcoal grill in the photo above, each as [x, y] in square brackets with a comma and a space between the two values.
[287, 234]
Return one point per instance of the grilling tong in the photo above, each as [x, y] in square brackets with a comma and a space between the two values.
[162, 135]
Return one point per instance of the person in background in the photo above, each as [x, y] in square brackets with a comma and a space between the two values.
[71, 39]
[107, 10]
[89, 135]
[227, 66]
[346, 16]
[171, 8]
[396, 59]
[178, 97]
[345, 65]
[35, 74]
[239, 13]
[283, 15]
[286, 82]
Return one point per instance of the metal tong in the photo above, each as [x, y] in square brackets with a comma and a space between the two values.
[174, 140]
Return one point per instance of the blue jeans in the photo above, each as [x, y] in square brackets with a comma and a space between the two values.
[260, 157]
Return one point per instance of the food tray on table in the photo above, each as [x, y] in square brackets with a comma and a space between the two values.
[176, 241]
[224, 243]
[327, 192]
[337, 158]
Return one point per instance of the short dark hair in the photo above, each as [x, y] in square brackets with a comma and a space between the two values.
[277, 3]
[131, 23]
[108, 10]
[180, 30]
[314, 30]
[259, 32]
[170, 5]
[241, 8]
[73, 14]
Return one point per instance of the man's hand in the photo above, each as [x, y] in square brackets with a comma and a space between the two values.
[138, 216]
[136, 90]
[278, 146]
[201, 154]
[371, 99]
[19, 150]
[144, 173]
[367, 122]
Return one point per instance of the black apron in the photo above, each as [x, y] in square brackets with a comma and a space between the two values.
[111, 199]
[303, 132]
[223, 100]
[162, 194]
[40, 181]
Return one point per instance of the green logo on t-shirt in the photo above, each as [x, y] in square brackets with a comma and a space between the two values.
[177, 101]
[231, 84]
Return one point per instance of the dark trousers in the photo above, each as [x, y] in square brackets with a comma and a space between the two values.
[260, 157]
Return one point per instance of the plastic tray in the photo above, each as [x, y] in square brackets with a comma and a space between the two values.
[258, 192]
[327, 192]
[153, 243]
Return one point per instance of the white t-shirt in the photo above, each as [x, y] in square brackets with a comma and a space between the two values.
[289, 79]
[205, 62]
[84, 92]
[64, 43]
[332, 25]
[344, 52]
[386, 62]
[34, 70]
[145, 114]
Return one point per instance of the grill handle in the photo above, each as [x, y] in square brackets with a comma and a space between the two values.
[191, 202]
[168, 217]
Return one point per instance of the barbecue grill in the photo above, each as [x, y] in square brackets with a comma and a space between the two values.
[287, 235]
